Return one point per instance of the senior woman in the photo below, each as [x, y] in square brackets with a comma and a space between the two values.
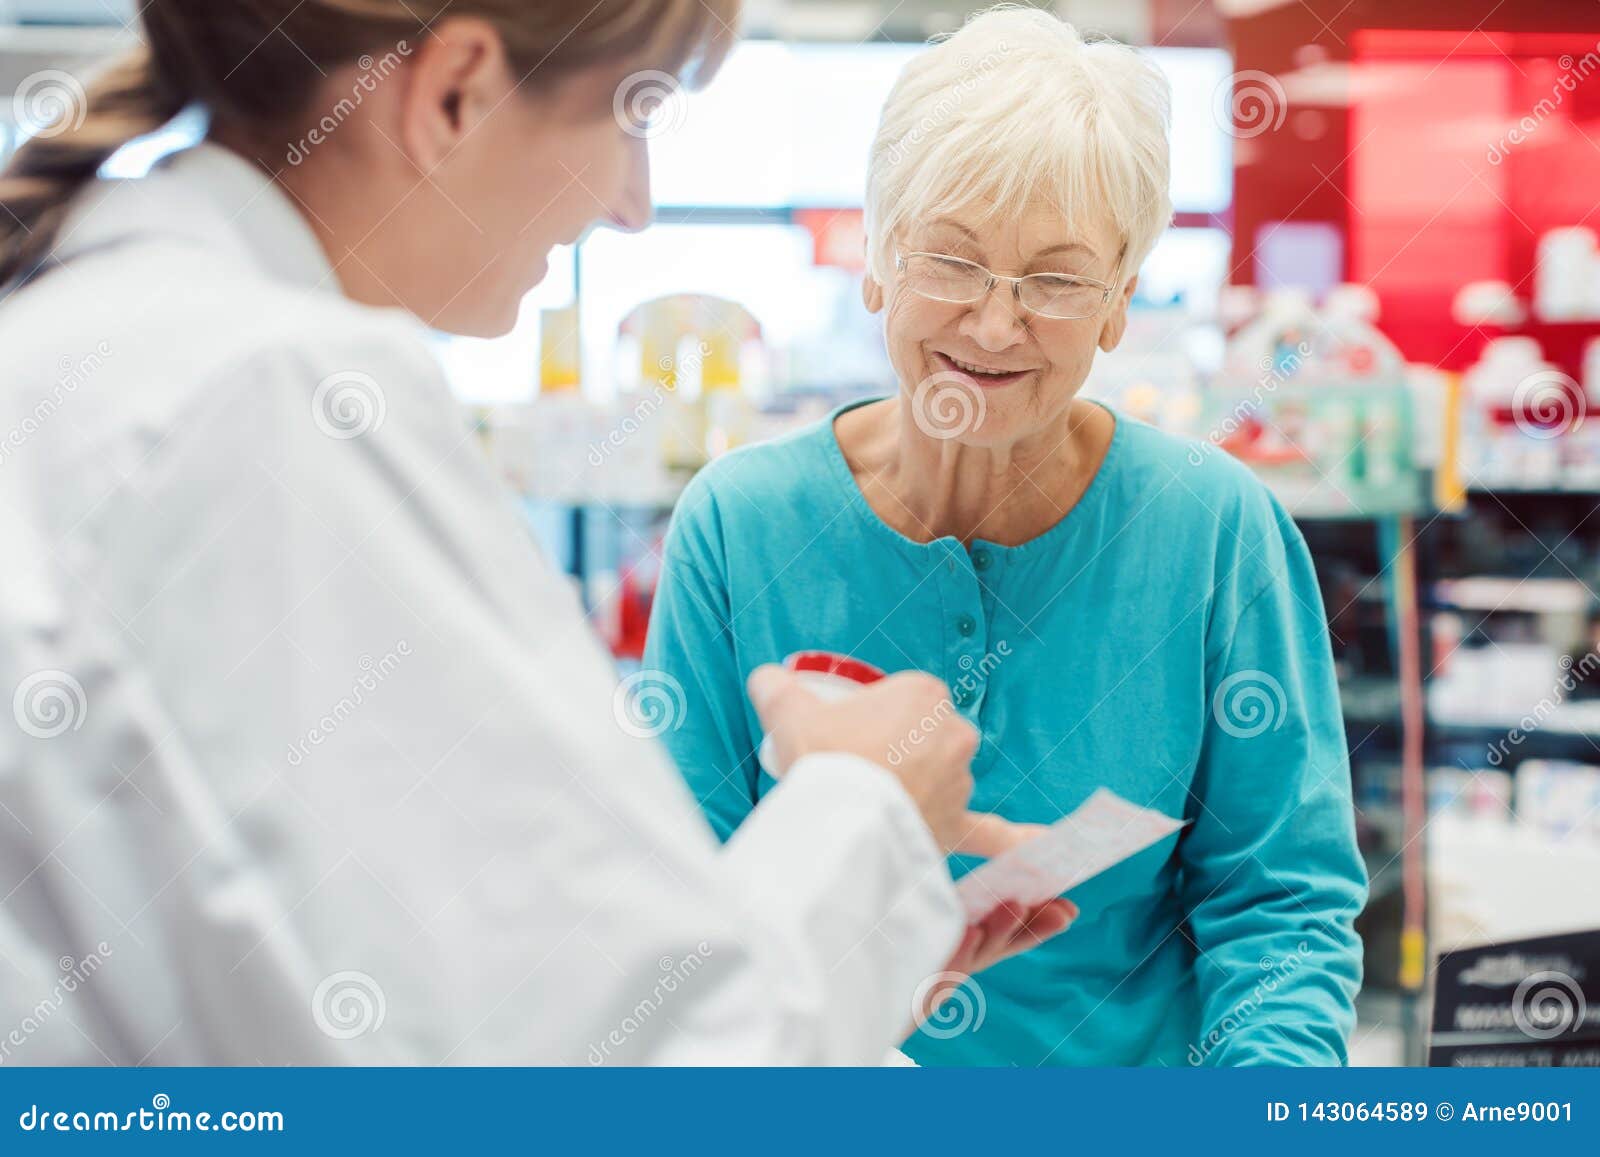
[1106, 611]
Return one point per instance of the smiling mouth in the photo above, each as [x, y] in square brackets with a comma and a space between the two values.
[989, 377]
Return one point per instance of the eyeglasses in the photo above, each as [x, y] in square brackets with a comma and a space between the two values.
[940, 277]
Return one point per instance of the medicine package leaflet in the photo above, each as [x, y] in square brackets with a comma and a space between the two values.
[1104, 830]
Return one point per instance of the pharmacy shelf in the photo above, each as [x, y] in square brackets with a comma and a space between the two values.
[1477, 747]
[1580, 720]
[1533, 488]
[1310, 500]
[1488, 593]
[1370, 700]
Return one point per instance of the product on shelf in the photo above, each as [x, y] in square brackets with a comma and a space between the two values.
[1487, 303]
[691, 350]
[1567, 275]
[1318, 402]
[729, 412]
[1151, 375]
[560, 350]
[1522, 422]
[1559, 798]
[1483, 794]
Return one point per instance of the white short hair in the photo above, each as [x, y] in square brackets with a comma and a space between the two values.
[1017, 107]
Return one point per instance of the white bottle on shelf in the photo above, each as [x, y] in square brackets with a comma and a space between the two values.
[1564, 275]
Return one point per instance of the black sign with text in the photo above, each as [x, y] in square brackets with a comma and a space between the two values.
[1521, 1004]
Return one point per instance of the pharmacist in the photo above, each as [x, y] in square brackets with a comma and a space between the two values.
[311, 756]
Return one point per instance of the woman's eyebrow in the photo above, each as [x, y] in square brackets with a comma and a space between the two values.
[1067, 247]
[1064, 247]
[952, 223]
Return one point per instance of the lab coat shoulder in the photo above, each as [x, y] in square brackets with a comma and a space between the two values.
[130, 339]
[313, 632]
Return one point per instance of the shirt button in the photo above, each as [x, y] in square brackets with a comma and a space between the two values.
[981, 559]
[966, 625]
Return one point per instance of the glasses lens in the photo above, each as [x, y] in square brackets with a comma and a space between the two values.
[945, 279]
[1060, 297]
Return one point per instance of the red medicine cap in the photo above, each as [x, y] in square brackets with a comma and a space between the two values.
[830, 663]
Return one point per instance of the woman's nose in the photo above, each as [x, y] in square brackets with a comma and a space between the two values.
[995, 320]
[635, 209]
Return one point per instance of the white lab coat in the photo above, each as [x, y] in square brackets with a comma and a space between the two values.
[314, 758]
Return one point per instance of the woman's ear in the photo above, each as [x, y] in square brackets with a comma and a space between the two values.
[1116, 323]
[871, 294]
[459, 75]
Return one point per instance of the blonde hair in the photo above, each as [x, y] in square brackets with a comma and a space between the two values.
[1014, 108]
[258, 64]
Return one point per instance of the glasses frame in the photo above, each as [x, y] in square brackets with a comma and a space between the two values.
[1106, 289]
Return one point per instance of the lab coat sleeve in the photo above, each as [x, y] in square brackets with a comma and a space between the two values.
[390, 778]
[1272, 877]
[692, 640]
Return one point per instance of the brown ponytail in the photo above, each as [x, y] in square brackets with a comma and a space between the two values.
[256, 64]
[125, 101]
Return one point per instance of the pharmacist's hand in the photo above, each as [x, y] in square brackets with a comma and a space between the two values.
[1009, 930]
[904, 723]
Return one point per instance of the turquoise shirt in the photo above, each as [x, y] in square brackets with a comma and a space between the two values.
[1165, 639]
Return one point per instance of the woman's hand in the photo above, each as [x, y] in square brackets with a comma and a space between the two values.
[906, 724]
[1007, 931]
